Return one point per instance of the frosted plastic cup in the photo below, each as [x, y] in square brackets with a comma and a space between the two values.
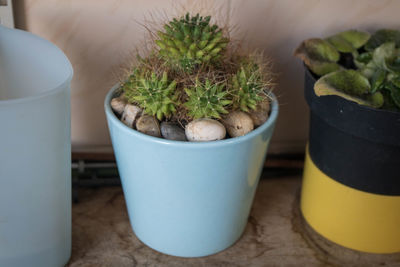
[35, 151]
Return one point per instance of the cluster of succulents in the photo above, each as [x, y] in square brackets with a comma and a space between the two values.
[356, 65]
[192, 73]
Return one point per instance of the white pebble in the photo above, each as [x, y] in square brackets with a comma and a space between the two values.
[205, 130]
[118, 104]
[130, 114]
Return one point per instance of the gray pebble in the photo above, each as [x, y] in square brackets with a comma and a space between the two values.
[172, 131]
[260, 115]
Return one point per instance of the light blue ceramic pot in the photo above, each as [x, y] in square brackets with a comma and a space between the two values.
[188, 199]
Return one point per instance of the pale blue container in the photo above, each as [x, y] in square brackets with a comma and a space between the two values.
[184, 198]
[35, 152]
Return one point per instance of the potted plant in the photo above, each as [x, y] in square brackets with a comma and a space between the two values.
[351, 185]
[190, 129]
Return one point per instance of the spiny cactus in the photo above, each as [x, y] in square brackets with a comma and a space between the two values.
[207, 100]
[156, 95]
[248, 87]
[190, 42]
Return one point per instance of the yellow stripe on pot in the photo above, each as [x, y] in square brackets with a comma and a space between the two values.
[349, 217]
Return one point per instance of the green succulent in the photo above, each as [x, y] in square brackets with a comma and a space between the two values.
[319, 55]
[155, 94]
[248, 87]
[322, 55]
[376, 82]
[382, 36]
[382, 68]
[349, 84]
[190, 42]
[207, 100]
[348, 41]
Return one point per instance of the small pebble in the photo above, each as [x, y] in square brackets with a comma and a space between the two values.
[148, 125]
[118, 104]
[238, 123]
[130, 114]
[260, 115]
[172, 131]
[205, 130]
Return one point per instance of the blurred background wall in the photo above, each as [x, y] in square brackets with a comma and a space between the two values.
[100, 36]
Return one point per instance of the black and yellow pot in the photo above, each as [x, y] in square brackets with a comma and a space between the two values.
[351, 182]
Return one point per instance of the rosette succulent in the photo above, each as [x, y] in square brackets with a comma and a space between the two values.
[191, 41]
[207, 99]
[155, 94]
[371, 76]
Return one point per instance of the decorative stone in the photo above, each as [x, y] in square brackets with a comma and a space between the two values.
[118, 104]
[172, 131]
[148, 125]
[260, 115]
[205, 130]
[238, 123]
[130, 114]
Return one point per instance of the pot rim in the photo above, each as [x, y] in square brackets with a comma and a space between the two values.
[208, 144]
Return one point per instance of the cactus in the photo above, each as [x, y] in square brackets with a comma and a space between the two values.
[248, 87]
[189, 76]
[190, 42]
[207, 100]
[155, 94]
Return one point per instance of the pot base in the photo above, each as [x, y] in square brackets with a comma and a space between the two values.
[352, 218]
[193, 254]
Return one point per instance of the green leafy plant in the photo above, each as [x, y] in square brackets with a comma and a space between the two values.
[350, 85]
[383, 36]
[155, 94]
[348, 41]
[319, 55]
[207, 100]
[376, 80]
[190, 42]
[248, 87]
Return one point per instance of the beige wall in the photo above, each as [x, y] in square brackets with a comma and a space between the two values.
[98, 35]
